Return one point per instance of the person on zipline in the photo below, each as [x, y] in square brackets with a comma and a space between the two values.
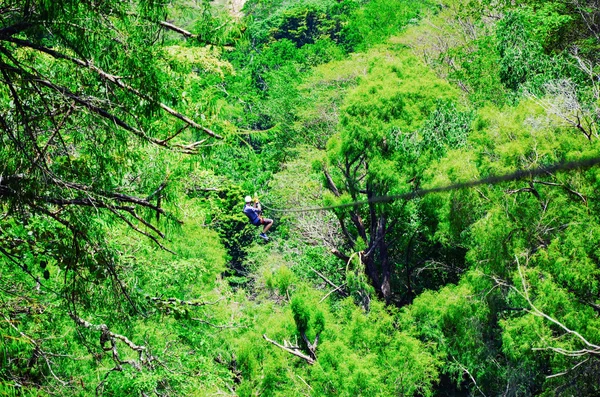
[254, 214]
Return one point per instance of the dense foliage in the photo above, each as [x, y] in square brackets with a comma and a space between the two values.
[131, 131]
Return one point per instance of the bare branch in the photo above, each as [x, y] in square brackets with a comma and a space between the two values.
[595, 349]
[329, 281]
[144, 358]
[340, 255]
[466, 370]
[562, 101]
[590, 349]
[569, 370]
[182, 302]
[332, 291]
[131, 225]
[291, 350]
[177, 29]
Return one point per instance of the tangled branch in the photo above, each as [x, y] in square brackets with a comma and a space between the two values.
[145, 359]
[589, 349]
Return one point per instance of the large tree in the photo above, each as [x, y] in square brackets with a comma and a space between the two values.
[378, 152]
[83, 83]
[87, 91]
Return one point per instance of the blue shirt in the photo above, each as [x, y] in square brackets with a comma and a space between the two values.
[252, 214]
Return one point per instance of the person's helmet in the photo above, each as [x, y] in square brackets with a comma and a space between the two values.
[248, 199]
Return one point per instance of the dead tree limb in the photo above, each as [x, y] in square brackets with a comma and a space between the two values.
[182, 302]
[177, 29]
[340, 255]
[329, 281]
[107, 336]
[332, 291]
[292, 350]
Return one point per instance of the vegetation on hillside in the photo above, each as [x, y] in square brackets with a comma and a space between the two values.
[131, 131]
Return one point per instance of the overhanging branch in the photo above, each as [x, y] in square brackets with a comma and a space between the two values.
[116, 80]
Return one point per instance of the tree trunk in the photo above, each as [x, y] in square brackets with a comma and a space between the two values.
[386, 271]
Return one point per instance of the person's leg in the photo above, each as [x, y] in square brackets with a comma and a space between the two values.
[268, 223]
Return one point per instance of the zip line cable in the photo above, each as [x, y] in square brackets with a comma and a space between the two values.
[494, 179]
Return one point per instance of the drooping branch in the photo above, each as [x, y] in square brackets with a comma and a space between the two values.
[9, 187]
[37, 351]
[590, 349]
[190, 35]
[134, 227]
[57, 128]
[97, 110]
[120, 197]
[113, 202]
[116, 80]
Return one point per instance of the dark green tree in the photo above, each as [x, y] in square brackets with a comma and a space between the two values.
[377, 153]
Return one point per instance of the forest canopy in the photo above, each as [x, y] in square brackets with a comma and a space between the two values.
[132, 131]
